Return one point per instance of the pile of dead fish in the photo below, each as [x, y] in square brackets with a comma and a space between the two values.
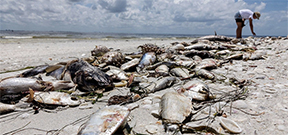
[153, 68]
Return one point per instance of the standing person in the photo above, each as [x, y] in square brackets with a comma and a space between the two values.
[240, 18]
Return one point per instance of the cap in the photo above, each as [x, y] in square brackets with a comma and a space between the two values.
[257, 14]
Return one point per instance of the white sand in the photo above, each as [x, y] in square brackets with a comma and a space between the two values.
[20, 53]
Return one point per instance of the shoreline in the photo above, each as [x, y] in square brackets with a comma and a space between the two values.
[21, 53]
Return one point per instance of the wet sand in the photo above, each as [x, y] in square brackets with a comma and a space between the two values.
[268, 95]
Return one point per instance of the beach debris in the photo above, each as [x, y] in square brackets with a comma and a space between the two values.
[188, 68]
[5, 108]
[119, 99]
[230, 125]
[160, 84]
[175, 108]
[180, 72]
[196, 90]
[86, 76]
[34, 71]
[150, 48]
[192, 127]
[117, 74]
[113, 58]
[55, 98]
[99, 50]
[162, 70]
[147, 59]
[106, 120]
[17, 85]
[130, 64]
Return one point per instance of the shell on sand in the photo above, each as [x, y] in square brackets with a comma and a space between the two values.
[55, 98]
[230, 125]
[175, 107]
[106, 120]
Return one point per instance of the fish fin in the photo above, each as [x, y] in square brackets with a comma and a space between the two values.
[31, 95]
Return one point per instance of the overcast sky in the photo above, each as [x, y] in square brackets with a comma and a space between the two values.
[142, 16]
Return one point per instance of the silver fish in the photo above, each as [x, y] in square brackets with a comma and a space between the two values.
[130, 64]
[180, 72]
[205, 74]
[147, 59]
[55, 98]
[117, 73]
[105, 121]
[207, 64]
[18, 85]
[161, 84]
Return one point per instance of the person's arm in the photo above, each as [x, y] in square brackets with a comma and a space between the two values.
[251, 26]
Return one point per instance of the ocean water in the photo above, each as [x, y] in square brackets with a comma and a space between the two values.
[17, 34]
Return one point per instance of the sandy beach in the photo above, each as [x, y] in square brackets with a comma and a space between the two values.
[264, 111]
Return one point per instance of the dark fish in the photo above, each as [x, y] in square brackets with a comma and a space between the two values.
[35, 71]
[86, 76]
[202, 54]
[56, 73]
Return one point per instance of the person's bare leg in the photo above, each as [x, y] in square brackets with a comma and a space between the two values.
[239, 30]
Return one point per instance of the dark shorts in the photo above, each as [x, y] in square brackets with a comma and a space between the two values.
[240, 20]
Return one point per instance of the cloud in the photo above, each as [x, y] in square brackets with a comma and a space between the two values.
[114, 6]
[148, 16]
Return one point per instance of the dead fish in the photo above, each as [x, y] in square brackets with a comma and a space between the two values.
[5, 108]
[202, 54]
[130, 64]
[259, 54]
[223, 52]
[180, 72]
[235, 56]
[197, 86]
[201, 47]
[113, 58]
[147, 59]
[161, 84]
[169, 64]
[216, 38]
[105, 121]
[117, 74]
[18, 85]
[55, 98]
[186, 63]
[207, 64]
[196, 90]
[197, 59]
[162, 70]
[56, 73]
[35, 71]
[164, 56]
[205, 74]
[99, 50]
[176, 48]
[63, 85]
[150, 48]
[174, 107]
[86, 76]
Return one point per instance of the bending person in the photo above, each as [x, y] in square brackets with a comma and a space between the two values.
[241, 16]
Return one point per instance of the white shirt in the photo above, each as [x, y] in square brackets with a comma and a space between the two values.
[246, 13]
